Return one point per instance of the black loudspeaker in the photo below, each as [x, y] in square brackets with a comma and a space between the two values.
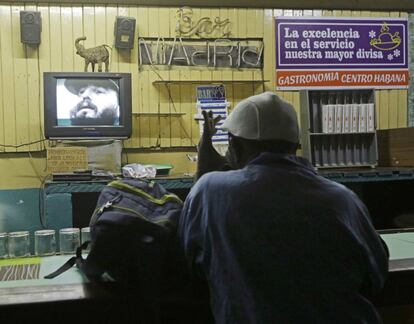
[30, 27]
[124, 32]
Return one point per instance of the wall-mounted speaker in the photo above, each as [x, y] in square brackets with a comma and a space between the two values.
[124, 32]
[30, 27]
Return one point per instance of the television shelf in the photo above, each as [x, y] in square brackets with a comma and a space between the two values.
[156, 114]
[96, 185]
[209, 81]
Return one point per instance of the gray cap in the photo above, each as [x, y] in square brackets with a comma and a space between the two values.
[263, 117]
[74, 85]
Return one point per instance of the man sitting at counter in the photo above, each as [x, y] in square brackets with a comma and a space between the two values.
[276, 242]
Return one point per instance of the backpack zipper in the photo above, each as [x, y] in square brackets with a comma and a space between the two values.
[136, 191]
[99, 210]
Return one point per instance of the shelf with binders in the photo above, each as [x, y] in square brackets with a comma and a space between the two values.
[329, 134]
[338, 128]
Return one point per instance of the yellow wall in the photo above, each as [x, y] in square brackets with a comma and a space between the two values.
[22, 67]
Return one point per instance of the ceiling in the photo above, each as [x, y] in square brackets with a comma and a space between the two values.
[389, 5]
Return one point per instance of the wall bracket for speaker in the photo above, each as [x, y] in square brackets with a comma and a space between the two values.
[124, 32]
[30, 27]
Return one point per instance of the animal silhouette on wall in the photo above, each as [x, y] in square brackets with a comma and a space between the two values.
[94, 55]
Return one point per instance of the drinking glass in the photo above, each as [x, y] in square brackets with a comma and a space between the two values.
[19, 244]
[86, 236]
[45, 242]
[69, 239]
[4, 253]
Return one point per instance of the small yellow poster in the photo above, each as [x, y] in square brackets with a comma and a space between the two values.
[67, 159]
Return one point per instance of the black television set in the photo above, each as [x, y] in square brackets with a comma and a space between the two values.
[87, 105]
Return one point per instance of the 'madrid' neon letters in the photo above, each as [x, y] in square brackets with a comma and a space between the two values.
[234, 53]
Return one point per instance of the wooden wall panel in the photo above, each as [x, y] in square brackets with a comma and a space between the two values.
[258, 75]
[180, 131]
[174, 106]
[88, 24]
[8, 100]
[163, 89]
[22, 67]
[206, 74]
[111, 13]
[77, 31]
[21, 119]
[269, 58]
[142, 123]
[55, 42]
[100, 26]
[402, 108]
[134, 141]
[3, 10]
[43, 64]
[216, 74]
[153, 105]
[244, 29]
[33, 93]
[191, 128]
[68, 59]
[227, 74]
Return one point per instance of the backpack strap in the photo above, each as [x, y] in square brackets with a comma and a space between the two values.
[77, 259]
[69, 264]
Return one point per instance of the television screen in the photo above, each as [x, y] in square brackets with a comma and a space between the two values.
[87, 105]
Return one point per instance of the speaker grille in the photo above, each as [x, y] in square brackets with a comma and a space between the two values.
[30, 27]
[124, 32]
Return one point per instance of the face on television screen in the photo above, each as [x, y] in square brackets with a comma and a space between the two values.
[87, 102]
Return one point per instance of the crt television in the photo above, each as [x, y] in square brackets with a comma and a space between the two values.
[87, 105]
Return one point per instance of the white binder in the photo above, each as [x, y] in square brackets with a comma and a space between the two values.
[325, 109]
[355, 118]
[347, 118]
[331, 118]
[362, 121]
[339, 117]
[371, 117]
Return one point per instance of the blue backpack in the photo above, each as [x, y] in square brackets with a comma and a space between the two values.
[133, 236]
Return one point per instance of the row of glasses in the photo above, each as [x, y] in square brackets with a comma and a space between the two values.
[17, 244]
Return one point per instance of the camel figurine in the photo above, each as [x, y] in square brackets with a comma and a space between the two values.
[94, 55]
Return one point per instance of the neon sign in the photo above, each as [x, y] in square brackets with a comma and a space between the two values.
[219, 53]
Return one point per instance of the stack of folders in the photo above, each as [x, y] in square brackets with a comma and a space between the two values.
[351, 125]
[348, 118]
